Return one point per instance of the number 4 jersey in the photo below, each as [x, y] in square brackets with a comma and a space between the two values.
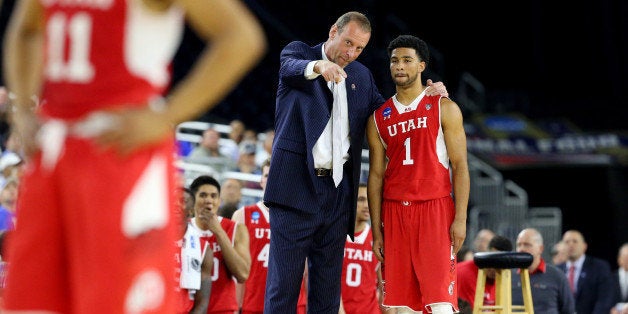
[418, 166]
[256, 220]
[90, 68]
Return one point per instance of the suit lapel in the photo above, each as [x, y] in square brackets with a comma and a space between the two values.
[352, 96]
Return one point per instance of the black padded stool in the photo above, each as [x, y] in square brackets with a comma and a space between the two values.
[503, 262]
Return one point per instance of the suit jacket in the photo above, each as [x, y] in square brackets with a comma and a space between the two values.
[303, 108]
[617, 297]
[594, 293]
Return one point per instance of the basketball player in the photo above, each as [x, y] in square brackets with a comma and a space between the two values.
[361, 270]
[229, 241]
[417, 149]
[98, 196]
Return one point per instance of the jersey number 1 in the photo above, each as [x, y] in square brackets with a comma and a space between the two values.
[408, 160]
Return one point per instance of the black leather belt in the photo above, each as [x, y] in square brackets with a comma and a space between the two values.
[322, 172]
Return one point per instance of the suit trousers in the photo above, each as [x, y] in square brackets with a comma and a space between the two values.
[320, 237]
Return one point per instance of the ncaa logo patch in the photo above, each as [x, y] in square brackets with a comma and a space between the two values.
[255, 217]
[387, 112]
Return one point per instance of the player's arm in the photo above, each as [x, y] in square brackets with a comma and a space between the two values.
[238, 216]
[201, 297]
[456, 142]
[23, 60]
[238, 257]
[375, 184]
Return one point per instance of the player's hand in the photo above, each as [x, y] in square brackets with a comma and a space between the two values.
[378, 249]
[434, 89]
[26, 124]
[458, 232]
[132, 129]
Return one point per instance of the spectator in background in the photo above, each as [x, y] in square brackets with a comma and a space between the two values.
[11, 165]
[209, 145]
[8, 197]
[266, 147]
[591, 276]
[481, 240]
[249, 135]
[100, 192]
[208, 152]
[559, 253]
[231, 193]
[246, 160]
[550, 289]
[230, 146]
[468, 274]
[620, 282]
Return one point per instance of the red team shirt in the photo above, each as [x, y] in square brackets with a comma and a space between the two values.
[223, 296]
[418, 167]
[467, 279]
[417, 190]
[257, 223]
[359, 275]
[89, 68]
[97, 55]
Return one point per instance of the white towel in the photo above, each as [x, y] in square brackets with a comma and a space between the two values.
[191, 260]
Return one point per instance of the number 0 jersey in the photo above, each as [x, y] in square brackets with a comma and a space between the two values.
[418, 165]
[359, 275]
[89, 68]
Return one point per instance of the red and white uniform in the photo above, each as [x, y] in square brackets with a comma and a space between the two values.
[105, 53]
[257, 222]
[467, 279]
[359, 275]
[105, 218]
[417, 207]
[223, 296]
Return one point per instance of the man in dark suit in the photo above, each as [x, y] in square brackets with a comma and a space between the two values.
[311, 211]
[620, 282]
[590, 276]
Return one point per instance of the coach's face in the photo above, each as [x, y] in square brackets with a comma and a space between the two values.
[345, 46]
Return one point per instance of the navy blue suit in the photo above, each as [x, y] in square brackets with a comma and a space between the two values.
[309, 216]
[594, 294]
